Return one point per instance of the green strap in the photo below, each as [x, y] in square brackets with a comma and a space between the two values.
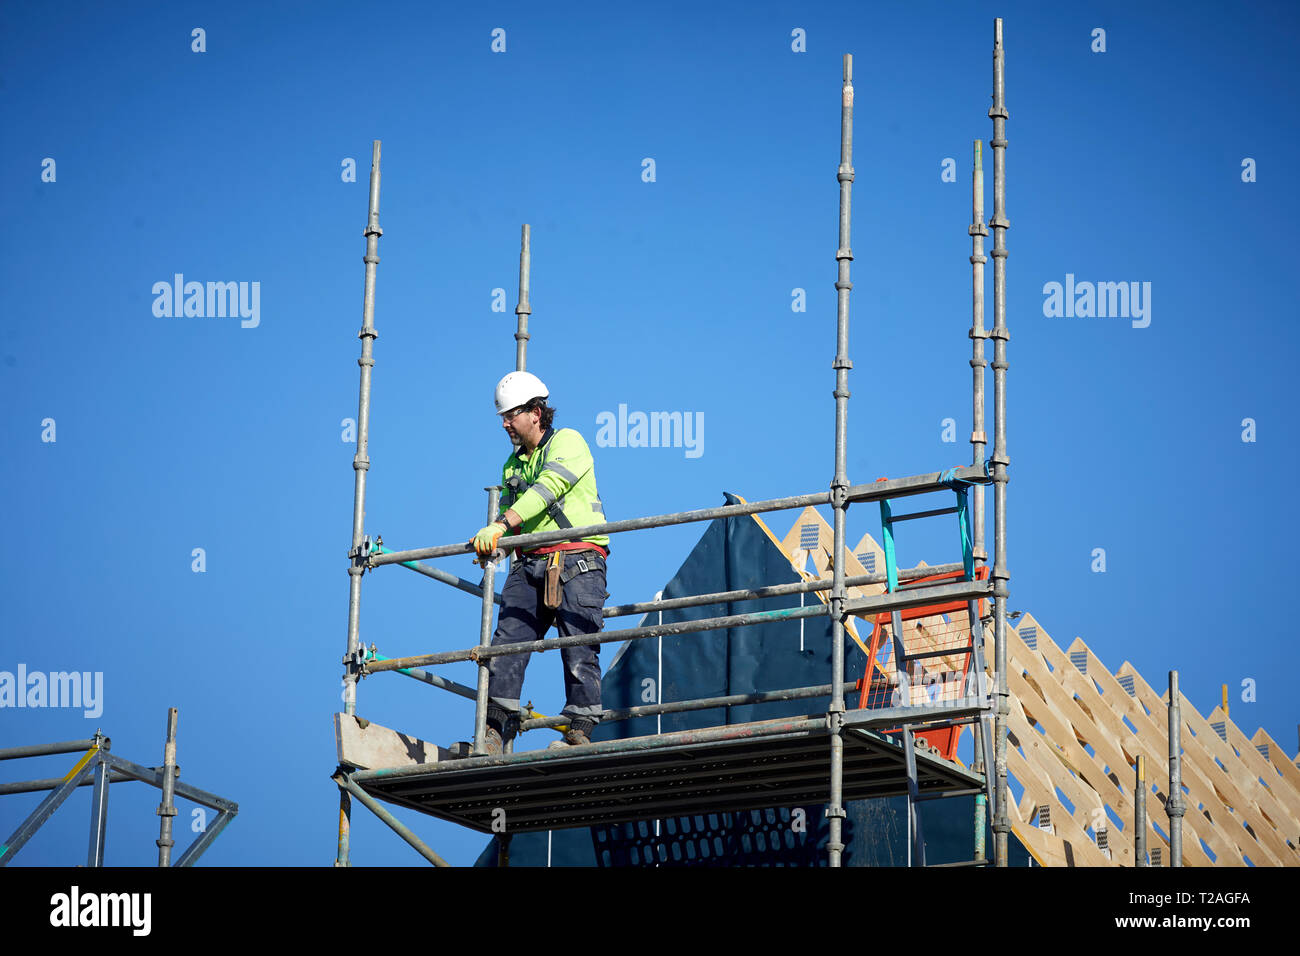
[887, 526]
[963, 520]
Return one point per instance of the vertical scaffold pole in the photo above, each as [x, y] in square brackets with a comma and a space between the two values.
[1174, 805]
[361, 465]
[98, 805]
[978, 441]
[840, 483]
[485, 628]
[523, 310]
[167, 807]
[1001, 574]
[1140, 814]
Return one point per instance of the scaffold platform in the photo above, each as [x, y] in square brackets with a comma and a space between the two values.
[771, 763]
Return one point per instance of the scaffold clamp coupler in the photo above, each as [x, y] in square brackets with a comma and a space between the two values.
[356, 660]
[839, 493]
[362, 553]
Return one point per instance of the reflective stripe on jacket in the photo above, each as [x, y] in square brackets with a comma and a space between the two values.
[555, 486]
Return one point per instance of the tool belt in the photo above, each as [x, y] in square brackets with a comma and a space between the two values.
[557, 577]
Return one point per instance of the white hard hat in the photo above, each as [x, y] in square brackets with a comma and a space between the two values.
[517, 388]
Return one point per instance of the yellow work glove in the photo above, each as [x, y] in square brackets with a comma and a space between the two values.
[485, 542]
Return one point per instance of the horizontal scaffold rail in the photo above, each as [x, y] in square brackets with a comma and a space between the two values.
[775, 590]
[41, 750]
[53, 783]
[122, 771]
[154, 777]
[698, 703]
[600, 637]
[891, 488]
[469, 587]
[718, 597]
[901, 600]
[920, 597]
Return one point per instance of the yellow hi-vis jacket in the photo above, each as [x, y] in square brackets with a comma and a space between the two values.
[554, 487]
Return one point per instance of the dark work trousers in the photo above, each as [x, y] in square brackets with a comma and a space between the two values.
[524, 617]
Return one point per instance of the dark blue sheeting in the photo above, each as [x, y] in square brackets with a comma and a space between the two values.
[735, 553]
[732, 553]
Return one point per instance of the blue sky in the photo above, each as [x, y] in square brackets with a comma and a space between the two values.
[673, 295]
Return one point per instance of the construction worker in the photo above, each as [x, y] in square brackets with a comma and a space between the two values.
[549, 483]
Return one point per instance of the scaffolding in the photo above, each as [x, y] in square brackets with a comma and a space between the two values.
[845, 754]
[99, 768]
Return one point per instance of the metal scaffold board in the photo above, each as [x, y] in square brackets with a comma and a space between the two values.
[759, 765]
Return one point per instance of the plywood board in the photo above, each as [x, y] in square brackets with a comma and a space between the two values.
[368, 746]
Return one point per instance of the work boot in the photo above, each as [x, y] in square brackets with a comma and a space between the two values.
[571, 738]
[501, 726]
[575, 736]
